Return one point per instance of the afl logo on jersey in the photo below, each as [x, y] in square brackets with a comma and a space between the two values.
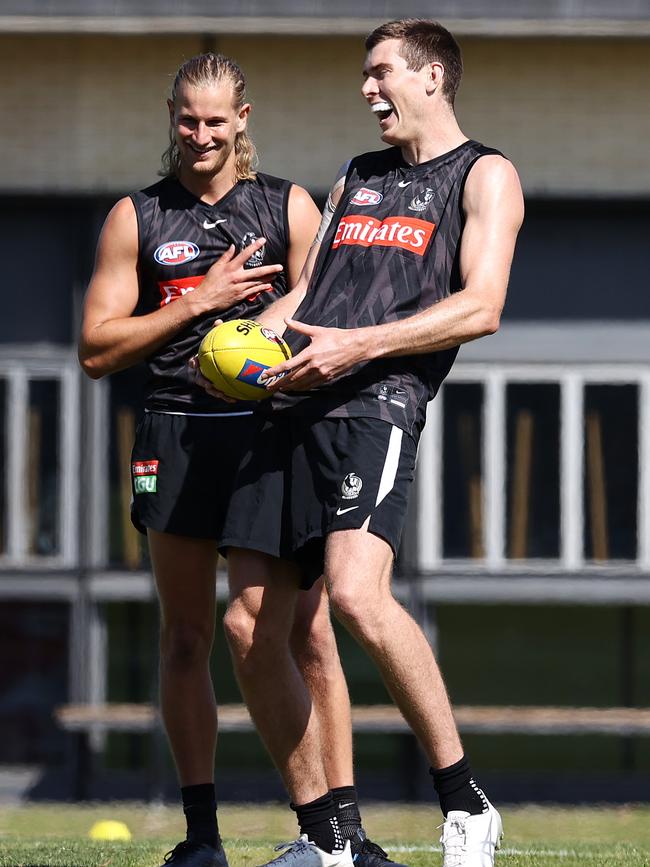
[364, 196]
[176, 253]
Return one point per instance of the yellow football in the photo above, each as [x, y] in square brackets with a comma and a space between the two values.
[235, 354]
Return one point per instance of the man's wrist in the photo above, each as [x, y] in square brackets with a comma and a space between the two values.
[195, 306]
[370, 342]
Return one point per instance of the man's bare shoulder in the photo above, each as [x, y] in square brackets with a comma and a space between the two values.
[491, 170]
[121, 224]
[300, 196]
[123, 211]
[491, 180]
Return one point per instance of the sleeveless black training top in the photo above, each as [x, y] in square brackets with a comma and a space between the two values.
[391, 250]
[180, 237]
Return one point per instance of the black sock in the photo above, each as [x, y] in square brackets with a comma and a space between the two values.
[200, 808]
[457, 790]
[347, 812]
[319, 822]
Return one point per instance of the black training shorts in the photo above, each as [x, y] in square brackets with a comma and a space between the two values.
[182, 471]
[305, 478]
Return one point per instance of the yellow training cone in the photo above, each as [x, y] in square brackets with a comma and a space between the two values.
[109, 829]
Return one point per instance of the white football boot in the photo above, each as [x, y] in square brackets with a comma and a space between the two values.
[303, 853]
[471, 841]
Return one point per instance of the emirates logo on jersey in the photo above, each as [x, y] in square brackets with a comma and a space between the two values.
[170, 290]
[409, 233]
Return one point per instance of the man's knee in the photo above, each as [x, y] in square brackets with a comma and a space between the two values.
[254, 636]
[239, 626]
[346, 603]
[185, 646]
[361, 613]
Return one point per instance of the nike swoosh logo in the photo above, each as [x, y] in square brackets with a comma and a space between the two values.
[207, 225]
[340, 511]
[404, 183]
[351, 804]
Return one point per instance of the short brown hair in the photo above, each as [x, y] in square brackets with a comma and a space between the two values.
[424, 41]
[205, 70]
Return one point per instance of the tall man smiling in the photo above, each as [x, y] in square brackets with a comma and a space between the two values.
[412, 261]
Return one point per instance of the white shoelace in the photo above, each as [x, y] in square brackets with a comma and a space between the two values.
[453, 842]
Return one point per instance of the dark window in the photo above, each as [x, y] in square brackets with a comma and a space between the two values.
[533, 471]
[462, 476]
[33, 679]
[51, 244]
[581, 260]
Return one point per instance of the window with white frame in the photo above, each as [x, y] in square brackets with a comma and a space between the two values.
[39, 400]
[536, 465]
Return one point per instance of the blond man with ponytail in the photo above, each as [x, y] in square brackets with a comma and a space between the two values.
[213, 238]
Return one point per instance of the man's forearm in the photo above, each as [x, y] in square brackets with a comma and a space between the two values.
[284, 308]
[119, 343]
[458, 319]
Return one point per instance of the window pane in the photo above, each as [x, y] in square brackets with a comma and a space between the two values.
[43, 448]
[462, 477]
[611, 472]
[533, 471]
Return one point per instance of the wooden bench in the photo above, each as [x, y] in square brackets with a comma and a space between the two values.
[385, 719]
[88, 721]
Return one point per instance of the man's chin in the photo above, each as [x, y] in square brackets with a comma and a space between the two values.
[393, 137]
[205, 168]
[389, 137]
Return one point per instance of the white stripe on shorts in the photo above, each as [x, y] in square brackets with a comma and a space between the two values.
[391, 464]
[201, 414]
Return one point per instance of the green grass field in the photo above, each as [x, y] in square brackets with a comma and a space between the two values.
[56, 836]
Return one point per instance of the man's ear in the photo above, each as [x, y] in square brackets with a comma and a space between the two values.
[435, 76]
[242, 116]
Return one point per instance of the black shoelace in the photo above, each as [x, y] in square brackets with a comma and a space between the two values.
[179, 848]
[374, 849]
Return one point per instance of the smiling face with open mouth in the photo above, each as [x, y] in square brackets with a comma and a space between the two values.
[205, 124]
[395, 93]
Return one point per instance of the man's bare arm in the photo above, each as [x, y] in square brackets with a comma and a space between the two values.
[494, 212]
[493, 206]
[276, 314]
[304, 218]
[111, 337]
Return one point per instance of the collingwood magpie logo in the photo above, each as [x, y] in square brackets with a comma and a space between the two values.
[351, 486]
[257, 258]
[421, 201]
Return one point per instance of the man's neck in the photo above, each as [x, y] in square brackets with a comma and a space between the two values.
[437, 139]
[209, 189]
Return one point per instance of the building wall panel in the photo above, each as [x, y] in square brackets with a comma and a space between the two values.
[87, 114]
